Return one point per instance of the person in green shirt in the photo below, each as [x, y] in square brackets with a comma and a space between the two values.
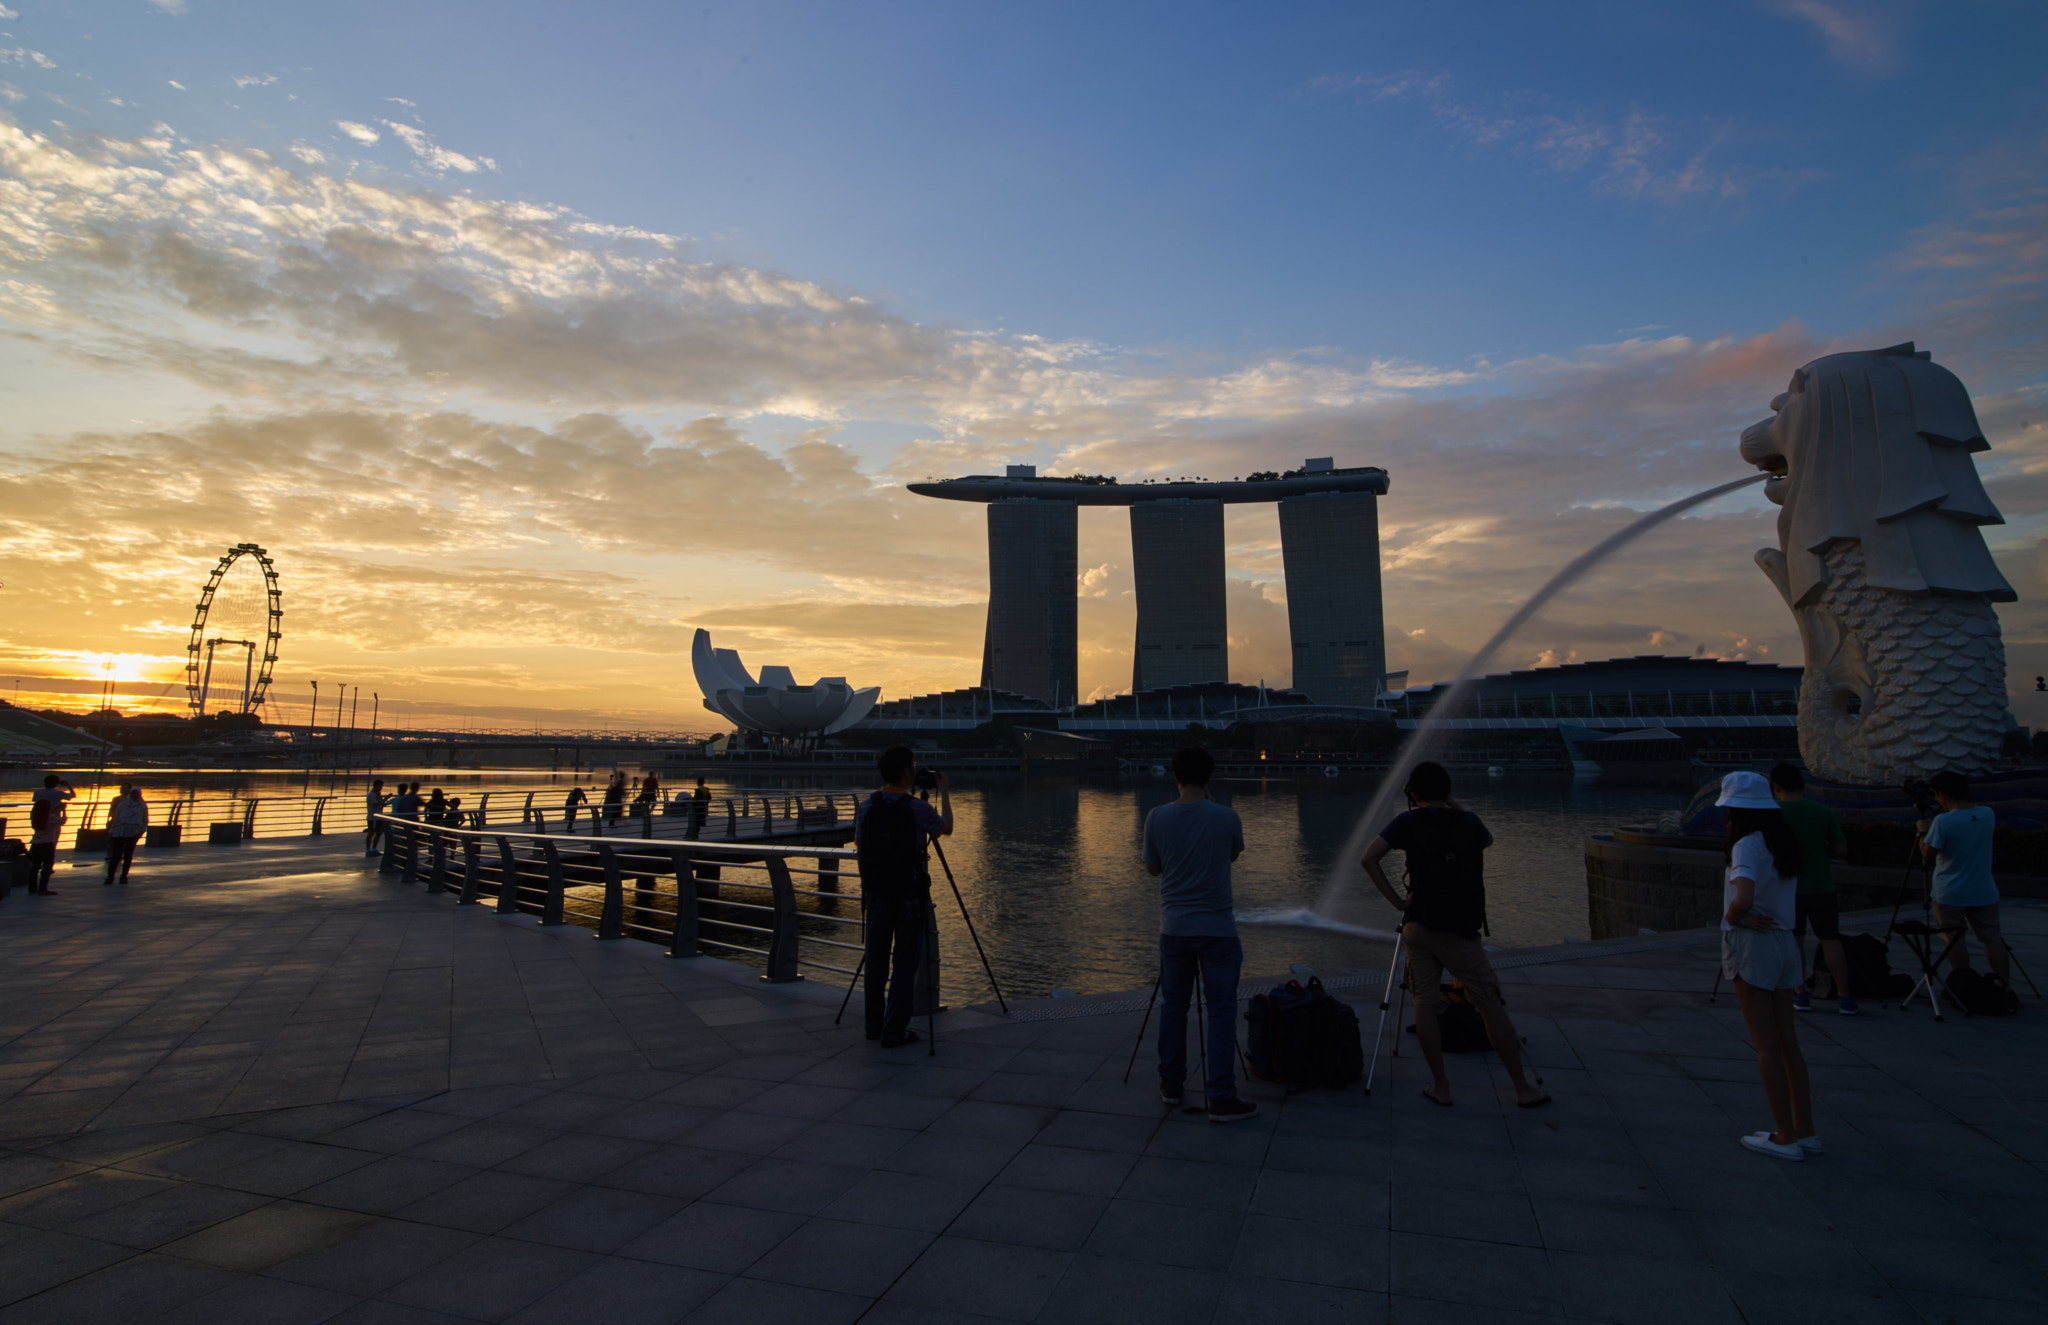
[1820, 838]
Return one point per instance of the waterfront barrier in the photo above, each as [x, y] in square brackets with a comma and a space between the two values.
[742, 815]
[783, 907]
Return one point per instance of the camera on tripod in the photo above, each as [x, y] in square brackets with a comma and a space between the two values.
[1922, 794]
[927, 779]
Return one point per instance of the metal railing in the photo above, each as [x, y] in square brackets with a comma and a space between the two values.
[782, 907]
[743, 815]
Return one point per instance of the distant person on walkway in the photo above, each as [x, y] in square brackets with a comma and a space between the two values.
[1820, 837]
[700, 808]
[892, 832]
[373, 805]
[578, 798]
[437, 807]
[1190, 844]
[650, 789]
[1442, 914]
[1758, 953]
[406, 804]
[643, 799]
[614, 797]
[46, 816]
[127, 821]
[1958, 841]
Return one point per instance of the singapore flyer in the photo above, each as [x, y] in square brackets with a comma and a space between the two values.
[236, 626]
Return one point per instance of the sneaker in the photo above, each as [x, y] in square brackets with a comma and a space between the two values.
[1170, 1092]
[1847, 1007]
[1762, 1144]
[1232, 1110]
[1802, 1001]
[898, 1041]
[1810, 1144]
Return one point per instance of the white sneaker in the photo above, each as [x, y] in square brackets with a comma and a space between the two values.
[1763, 1145]
[1810, 1144]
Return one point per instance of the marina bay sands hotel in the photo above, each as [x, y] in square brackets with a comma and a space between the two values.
[1330, 548]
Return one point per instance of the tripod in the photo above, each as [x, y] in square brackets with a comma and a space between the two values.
[1201, 1011]
[1918, 857]
[1387, 998]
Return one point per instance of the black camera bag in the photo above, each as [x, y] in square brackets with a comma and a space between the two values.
[1981, 995]
[1870, 969]
[1302, 1037]
[891, 849]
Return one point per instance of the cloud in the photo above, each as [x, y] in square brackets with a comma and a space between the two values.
[1863, 37]
[1636, 155]
[175, 83]
[5, 12]
[174, 7]
[499, 444]
[254, 80]
[438, 158]
[362, 133]
[25, 57]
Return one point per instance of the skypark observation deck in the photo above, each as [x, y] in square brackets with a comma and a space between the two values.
[1329, 534]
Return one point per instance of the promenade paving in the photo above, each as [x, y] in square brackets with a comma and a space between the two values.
[264, 1084]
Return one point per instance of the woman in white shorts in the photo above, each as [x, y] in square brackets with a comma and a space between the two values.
[1760, 955]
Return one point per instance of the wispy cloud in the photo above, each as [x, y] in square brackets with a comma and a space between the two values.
[254, 80]
[1862, 36]
[25, 57]
[169, 6]
[1636, 155]
[438, 158]
[362, 133]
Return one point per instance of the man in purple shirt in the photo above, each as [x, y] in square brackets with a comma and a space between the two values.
[892, 830]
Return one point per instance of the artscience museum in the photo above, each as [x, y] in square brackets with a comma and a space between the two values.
[775, 705]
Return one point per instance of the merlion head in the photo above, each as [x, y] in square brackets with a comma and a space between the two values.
[1875, 446]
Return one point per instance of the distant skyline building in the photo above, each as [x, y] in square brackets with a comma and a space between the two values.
[1330, 549]
[1177, 563]
[1030, 646]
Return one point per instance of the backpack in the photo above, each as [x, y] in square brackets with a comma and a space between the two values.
[891, 849]
[1980, 995]
[1870, 969]
[39, 815]
[1447, 871]
[1303, 1037]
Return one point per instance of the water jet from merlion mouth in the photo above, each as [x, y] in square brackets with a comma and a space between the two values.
[1426, 741]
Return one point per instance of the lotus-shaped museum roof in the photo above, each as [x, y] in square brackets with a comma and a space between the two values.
[775, 704]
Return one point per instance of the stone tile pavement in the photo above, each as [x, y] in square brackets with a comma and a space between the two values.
[308, 1094]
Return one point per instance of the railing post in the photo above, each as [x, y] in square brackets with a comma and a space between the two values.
[682, 940]
[411, 872]
[470, 854]
[388, 862]
[526, 810]
[647, 821]
[483, 809]
[249, 819]
[782, 942]
[828, 874]
[508, 877]
[319, 812]
[437, 875]
[551, 908]
[611, 920]
[732, 823]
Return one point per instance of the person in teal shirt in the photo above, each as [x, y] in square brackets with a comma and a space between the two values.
[1958, 841]
[1820, 840]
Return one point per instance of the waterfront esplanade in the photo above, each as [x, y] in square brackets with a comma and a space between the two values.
[1330, 548]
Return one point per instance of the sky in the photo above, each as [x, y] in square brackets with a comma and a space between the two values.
[530, 338]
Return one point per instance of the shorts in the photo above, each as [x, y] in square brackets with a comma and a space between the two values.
[1768, 960]
[1983, 919]
[1431, 952]
[1824, 910]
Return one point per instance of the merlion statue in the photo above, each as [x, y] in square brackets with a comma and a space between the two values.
[1883, 564]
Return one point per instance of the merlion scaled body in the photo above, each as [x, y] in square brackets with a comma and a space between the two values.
[1882, 560]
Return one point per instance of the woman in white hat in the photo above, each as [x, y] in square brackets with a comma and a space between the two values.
[1760, 955]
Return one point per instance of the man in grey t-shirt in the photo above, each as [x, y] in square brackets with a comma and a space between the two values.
[1189, 846]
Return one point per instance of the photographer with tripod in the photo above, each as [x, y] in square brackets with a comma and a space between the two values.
[1958, 842]
[1443, 912]
[892, 831]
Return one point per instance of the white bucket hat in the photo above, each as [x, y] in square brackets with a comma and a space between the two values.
[1747, 791]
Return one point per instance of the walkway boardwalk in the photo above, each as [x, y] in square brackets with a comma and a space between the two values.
[310, 1094]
